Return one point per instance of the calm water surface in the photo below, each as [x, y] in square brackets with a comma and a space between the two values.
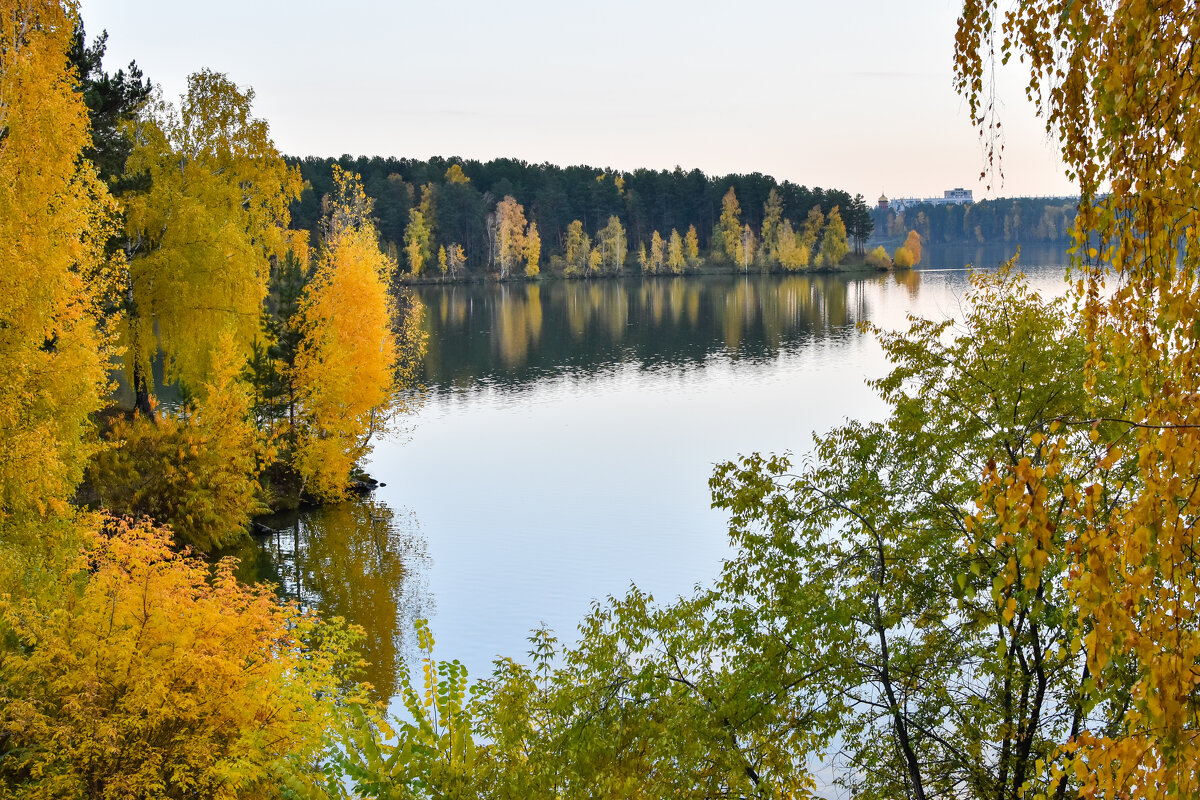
[566, 443]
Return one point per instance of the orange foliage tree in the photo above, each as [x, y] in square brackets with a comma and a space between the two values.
[346, 361]
[55, 217]
[146, 675]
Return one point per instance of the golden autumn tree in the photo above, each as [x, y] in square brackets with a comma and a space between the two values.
[1117, 85]
[691, 246]
[345, 363]
[810, 231]
[510, 235]
[748, 247]
[147, 673]
[657, 258]
[834, 246]
[55, 216]
[909, 253]
[202, 236]
[675, 259]
[771, 226]
[532, 250]
[456, 259]
[577, 249]
[417, 241]
[730, 227]
[793, 251]
[612, 243]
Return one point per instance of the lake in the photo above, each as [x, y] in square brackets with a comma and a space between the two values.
[564, 447]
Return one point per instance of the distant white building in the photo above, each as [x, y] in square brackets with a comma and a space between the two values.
[957, 196]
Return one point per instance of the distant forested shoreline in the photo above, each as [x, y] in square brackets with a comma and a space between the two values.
[455, 203]
[1007, 220]
[455, 198]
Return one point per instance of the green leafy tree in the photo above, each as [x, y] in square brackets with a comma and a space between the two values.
[947, 682]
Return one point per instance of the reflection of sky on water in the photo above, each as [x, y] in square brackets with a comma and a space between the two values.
[544, 482]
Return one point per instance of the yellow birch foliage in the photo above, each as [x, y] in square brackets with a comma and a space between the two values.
[146, 674]
[196, 471]
[1118, 85]
[510, 235]
[730, 227]
[201, 237]
[533, 250]
[657, 259]
[416, 241]
[912, 243]
[691, 245]
[834, 246]
[675, 260]
[793, 251]
[55, 216]
[346, 361]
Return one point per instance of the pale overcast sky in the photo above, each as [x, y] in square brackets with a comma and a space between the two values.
[854, 95]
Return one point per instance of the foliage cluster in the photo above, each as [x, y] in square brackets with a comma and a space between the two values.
[1117, 85]
[138, 672]
[908, 254]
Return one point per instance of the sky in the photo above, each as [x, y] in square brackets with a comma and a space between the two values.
[855, 95]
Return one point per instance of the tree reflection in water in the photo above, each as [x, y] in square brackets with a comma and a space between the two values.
[359, 560]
